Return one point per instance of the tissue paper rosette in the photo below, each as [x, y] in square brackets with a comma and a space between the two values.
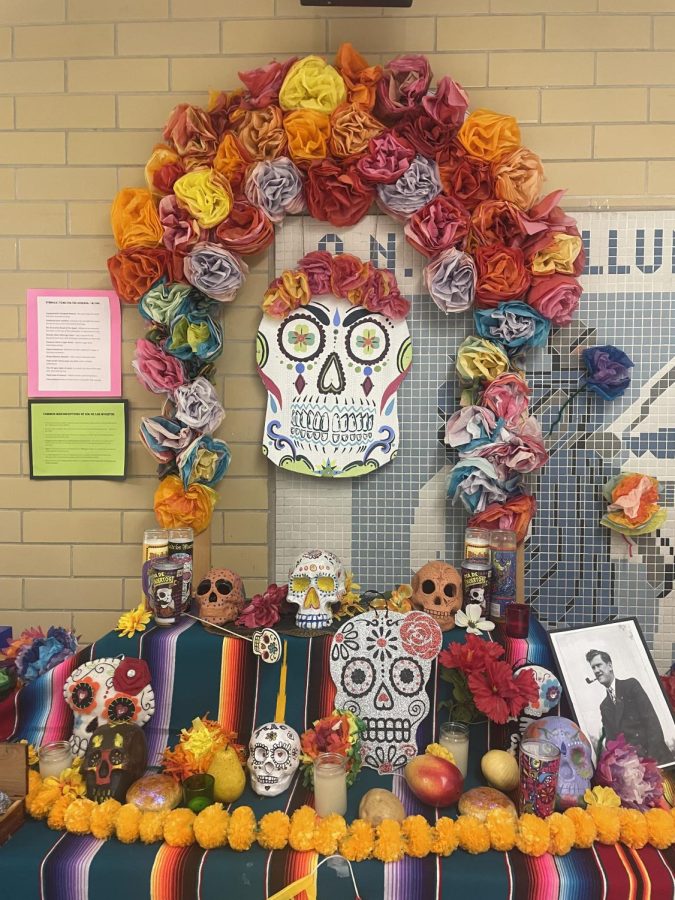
[480, 359]
[508, 397]
[633, 508]
[487, 135]
[261, 133]
[478, 483]
[450, 279]
[180, 230]
[197, 406]
[340, 732]
[246, 230]
[636, 779]
[134, 271]
[515, 514]
[416, 187]
[470, 428]
[205, 461]
[439, 225]
[276, 187]
[156, 370]
[215, 271]
[607, 369]
[516, 326]
[336, 194]
[194, 333]
[165, 438]
[176, 506]
[387, 159]
[164, 301]
[360, 79]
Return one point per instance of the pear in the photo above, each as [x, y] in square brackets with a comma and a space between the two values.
[228, 776]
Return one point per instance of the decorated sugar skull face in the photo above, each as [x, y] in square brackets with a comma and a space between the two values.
[220, 596]
[116, 757]
[437, 590]
[274, 756]
[331, 371]
[315, 583]
[380, 662]
[107, 691]
[576, 765]
[550, 692]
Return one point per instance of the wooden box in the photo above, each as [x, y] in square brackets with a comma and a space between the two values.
[13, 781]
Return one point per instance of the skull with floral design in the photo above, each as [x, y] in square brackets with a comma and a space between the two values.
[316, 582]
[576, 761]
[274, 756]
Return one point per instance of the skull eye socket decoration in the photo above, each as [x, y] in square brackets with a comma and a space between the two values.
[316, 583]
[274, 757]
[116, 756]
[380, 662]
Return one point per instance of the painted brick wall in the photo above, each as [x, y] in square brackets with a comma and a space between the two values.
[85, 86]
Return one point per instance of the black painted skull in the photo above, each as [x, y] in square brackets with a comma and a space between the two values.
[115, 758]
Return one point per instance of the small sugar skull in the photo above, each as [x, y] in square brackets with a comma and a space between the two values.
[437, 590]
[273, 758]
[220, 596]
[107, 691]
[576, 764]
[315, 583]
[116, 757]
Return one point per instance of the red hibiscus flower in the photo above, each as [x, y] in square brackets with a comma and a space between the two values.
[470, 655]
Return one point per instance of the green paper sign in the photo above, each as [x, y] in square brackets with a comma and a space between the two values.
[74, 439]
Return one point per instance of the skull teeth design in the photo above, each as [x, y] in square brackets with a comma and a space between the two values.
[387, 730]
[439, 614]
[339, 426]
[267, 779]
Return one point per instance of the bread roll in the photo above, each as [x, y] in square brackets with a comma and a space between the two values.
[480, 801]
[155, 793]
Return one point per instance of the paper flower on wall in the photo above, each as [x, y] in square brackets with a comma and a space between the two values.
[633, 507]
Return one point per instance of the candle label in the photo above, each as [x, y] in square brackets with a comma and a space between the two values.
[476, 576]
[503, 581]
[538, 781]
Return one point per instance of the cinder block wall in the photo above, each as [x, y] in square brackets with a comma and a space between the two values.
[85, 86]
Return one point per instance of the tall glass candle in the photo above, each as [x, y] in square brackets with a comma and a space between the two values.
[539, 767]
[477, 544]
[54, 758]
[454, 736]
[155, 543]
[330, 784]
[503, 544]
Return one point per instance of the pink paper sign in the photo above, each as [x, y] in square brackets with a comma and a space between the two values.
[74, 343]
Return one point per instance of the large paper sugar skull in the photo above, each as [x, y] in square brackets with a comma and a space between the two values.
[107, 692]
[116, 756]
[437, 590]
[273, 758]
[331, 371]
[220, 596]
[380, 662]
[576, 764]
[315, 583]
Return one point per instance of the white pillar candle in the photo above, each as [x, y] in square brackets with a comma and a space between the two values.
[330, 784]
[54, 758]
[454, 736]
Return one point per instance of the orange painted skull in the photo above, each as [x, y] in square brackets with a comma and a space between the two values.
[437, 590]
[220, 596]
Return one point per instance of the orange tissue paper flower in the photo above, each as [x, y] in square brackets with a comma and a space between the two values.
[359, 78]
[308, 133]
[134, 219]
[487, 135]
[176, 507]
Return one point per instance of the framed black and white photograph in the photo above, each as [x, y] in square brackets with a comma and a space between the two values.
[613, 688]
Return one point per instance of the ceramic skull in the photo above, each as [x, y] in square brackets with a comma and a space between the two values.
[332, 372]
[273, 758]
[107, 691]
[116, 756]
[316, 581]
[576, 762]
[437, 590]
[220, 596]
[380, 662]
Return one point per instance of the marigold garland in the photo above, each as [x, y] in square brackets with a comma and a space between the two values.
[584, 827]
[179, 828]
[502, 826]
[388, 846]
[151, 828]
[241, 832]
[472, 834]
[273, 830]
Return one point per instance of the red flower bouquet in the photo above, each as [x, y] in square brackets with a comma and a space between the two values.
[340, 732]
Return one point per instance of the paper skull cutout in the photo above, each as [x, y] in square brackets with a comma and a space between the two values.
[332, 371]
[273, 758]
[220, 596]
[107, 691]
[316, 581]
[380, 662]
[116, 756]
[550, 692]
[576, 763]
[437, 590]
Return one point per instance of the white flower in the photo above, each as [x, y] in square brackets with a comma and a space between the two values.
[470, 618]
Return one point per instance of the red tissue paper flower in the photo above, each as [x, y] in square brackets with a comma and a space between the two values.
[264, 610]
[636, 779]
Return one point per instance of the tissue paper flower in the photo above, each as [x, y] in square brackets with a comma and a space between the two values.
[478, 358]
[207, 196]
[134, 219]
[470, 428]
[501, 275]
[519, 177]
[522, 451]
[564, 254]
[205, 461]
[164, 437]
[261, 133]
[451, 280]
[607, 370]
[180, 230]
[427, 136]
[162, 169]
[135, 270]
[515, 514]
[263, 84]
[515, 325]
[404, 82]
[496, 222]
[448, 103]
[232, 161]
[438, 226]
[276, 187]
[264, 610]
[215, 271]
[387, 159]
[197, 406]
[286, 293]
[190, 131]
[380, 294]
[636, 779]
[348, 273]
[335, 193]
[467, 179]
[307, 133]
[508, 398]
[352, 127]
[317, 266]
[312, 84]
[164, 302]
[556, 297]
[134, 620]
[487, 135]
[195, 333]
[246, 230]
[633, 507]
[360, 79]
[176, 507]
[158, 371]
[44, 652]
[418, 185]
[477, 483]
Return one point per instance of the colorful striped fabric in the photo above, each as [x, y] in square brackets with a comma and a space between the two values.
[197, 673]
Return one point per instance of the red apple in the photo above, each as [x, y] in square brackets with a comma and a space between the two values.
[434, 780]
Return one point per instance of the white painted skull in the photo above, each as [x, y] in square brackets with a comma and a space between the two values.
[107, 691]
[273, 758]
[316, 582]
[332, 372]
[380, 662]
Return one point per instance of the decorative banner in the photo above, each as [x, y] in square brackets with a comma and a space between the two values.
[332, 371]
[380, 662]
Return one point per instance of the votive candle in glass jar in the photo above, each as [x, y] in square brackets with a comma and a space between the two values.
[517, 620]
[454, 736]
[330, 784]
[198, 792]
[54, 758]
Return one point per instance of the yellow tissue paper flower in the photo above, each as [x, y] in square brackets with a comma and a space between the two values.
[312, 84]
[487, 135]
[558, 256]
[480, 359]
[134, 620]
[601, 796]
[207, 196]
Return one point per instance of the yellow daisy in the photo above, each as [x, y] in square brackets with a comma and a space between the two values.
[134, 620]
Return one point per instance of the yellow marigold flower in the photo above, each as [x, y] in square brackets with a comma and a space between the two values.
[301, 835]
[273, 830]
[32, 754]
[532, 837]
[211, 827]
[661, 828]
[584, 827]
[57, 814]
[472, 834]
[602, 796]
[607, 822]
[416, 833]
[77, 817]
[501, 824]
[440, 751]
[134, 620]
[39, 803]
[127, 822]
[328, 833]
[151, 826]
[102, 822]
[357, 844]
[444, 837]
[350, 604]
[179, 828]
[399, 601]
[312, 84]
[388, 845]
[34, 781]
[241, 831]
[634, 829]
[562, 834]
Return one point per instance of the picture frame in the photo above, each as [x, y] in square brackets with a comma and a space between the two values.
[636, 705]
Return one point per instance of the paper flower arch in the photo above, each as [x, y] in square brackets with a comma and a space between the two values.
[330, 140]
